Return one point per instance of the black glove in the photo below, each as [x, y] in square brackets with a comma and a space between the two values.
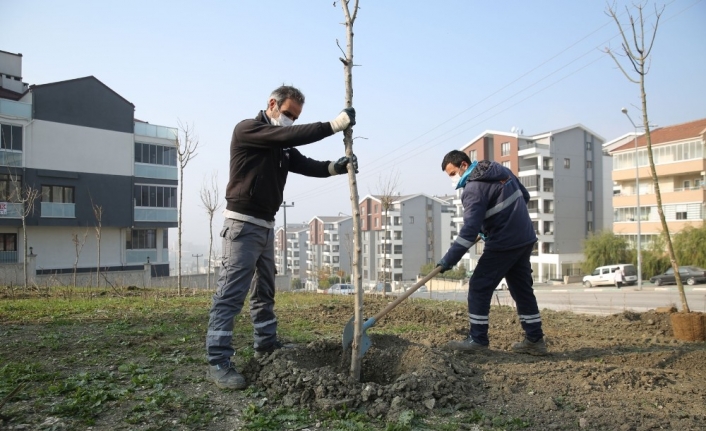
[344, 120]
[341, 166]
[444, 266]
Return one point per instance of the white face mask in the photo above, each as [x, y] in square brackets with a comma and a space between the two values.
[454, 180]
[282, 120]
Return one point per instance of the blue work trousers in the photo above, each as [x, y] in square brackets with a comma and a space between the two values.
[248, 261]
[492, 266]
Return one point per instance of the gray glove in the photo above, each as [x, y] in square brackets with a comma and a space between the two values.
[341, 166]
[345, 119]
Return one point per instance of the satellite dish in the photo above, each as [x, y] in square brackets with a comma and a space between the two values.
[512, 129]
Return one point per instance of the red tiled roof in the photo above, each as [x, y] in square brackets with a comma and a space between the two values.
[665, 135]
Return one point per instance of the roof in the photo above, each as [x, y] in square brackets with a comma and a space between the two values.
[666, 135]
[521, 135]
[9, 94]
[80, 79]
[564, 129]
[331, 219]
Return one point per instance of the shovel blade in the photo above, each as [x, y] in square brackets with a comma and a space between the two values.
[348, 333]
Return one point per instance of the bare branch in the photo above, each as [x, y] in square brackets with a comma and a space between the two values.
[339, 47]
[355, 11]
[360, 137]
[658, 14]
[620, 66]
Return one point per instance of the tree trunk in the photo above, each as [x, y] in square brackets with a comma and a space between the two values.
[181, 200]
[357, 280]
[210, 249]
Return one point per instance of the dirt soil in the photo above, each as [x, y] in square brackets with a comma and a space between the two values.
[621, 372]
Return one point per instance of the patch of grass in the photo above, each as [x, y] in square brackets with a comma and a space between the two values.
[282, 418]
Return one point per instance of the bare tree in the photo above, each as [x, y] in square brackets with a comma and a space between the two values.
[186, 144]
[78, 246]
[356, 358]
[387, 187]
[211, 203]
[25, 195]
[98, 214]
[638, 59]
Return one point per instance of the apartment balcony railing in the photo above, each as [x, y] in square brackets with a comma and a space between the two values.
[528, 167]
[154, 131]
[147, 170]
[58, 210]
[16, 109]
[156, 214]
[529, 145]
[10, 158]
[140, 256]
[8, 257]
[10, 210]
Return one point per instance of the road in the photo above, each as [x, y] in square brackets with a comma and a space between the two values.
[598, 300]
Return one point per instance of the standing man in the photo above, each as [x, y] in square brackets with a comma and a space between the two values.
[494, 208]
[262, 153]
[618, 277]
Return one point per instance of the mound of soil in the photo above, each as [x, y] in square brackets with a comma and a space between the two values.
[622, 372]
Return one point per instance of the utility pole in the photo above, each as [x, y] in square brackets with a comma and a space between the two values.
[285, 206]
[197, 256]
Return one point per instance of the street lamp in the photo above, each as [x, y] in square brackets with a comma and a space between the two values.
[639, 215]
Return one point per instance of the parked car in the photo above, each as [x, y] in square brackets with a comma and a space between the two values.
[422, 288]
[689, 275]
[605, 275]
[341, 289]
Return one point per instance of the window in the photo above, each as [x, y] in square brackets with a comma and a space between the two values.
[589, 206]
[548, 206]
[8, 242]
[589, 147]
[507, 164]
[10, 137]
[589, 164]
[155, 196]
[10, 188]
[165, 239]
[548, 163]
[548, 227]
[141, 239]
[589, 186]
[589, 226]
[58, 194]
[155, 154]
[505, 149]
[411, 219]
[548, 184]
[567, 163]
[377, 222]
[548, 247]
[473, 155]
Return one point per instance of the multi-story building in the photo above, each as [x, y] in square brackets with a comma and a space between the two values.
[329, 248]
[567, 176]
[77, 144]
[680, 162]
[397, 242]
[297, 237]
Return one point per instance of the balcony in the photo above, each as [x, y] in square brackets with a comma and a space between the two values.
[8, 257]
[15, 109]
[10, 158]
[156, 214]
[10, 210]
[154, 131]
[140, 256]
[58, 210]
[147, 170]
[532, 148]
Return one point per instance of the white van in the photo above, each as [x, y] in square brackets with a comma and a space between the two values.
[604, 275]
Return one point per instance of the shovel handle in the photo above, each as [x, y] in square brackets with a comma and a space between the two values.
[405, 295]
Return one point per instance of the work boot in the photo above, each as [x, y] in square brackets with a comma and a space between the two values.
[226, 376]
[467, 345]
[261, 353]
[537, 348]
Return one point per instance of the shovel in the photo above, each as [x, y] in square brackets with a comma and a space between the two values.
[365, 341]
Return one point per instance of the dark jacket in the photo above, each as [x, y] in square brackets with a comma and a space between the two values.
[261, 156]
[494, 203]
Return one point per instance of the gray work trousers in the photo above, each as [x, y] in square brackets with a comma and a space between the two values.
[248, 259]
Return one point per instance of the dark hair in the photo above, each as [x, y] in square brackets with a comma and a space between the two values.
[455, 157]
[285, 92]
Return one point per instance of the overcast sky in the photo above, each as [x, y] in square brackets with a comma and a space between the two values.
[433, 76]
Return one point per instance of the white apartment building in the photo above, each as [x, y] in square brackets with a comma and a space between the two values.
[415, 230]
[330, 247]
[297, 236]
